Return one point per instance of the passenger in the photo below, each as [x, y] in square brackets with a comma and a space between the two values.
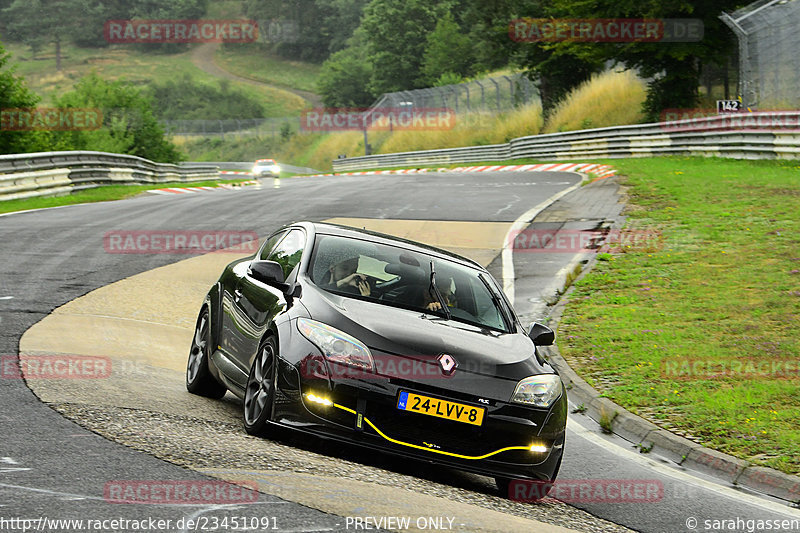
[345, 277]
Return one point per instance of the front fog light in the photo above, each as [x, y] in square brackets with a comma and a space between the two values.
[321, 400]
[539, 448]
[538, 391]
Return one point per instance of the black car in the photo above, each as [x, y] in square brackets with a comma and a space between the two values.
[384, 343]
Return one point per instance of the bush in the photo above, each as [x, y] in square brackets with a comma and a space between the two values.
[129, 126]
[14, 94]
[186, 99]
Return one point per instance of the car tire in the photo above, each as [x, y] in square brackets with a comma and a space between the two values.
[198, 378]
[544, 487]
[260, 390]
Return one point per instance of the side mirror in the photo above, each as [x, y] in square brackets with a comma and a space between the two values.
[268, 272]
[541, 335]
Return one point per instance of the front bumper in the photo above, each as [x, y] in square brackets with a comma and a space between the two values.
[364, 412]
[266, 173]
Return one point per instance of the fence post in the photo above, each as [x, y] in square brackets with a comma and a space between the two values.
[512, 93]
[496, 92]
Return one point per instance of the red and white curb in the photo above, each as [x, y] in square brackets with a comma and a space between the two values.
[190, 190]
[601, 171]
[181, 190]
[236, 172]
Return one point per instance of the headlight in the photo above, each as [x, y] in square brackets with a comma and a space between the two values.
[336, 346]
[539, 391]
[276, 169]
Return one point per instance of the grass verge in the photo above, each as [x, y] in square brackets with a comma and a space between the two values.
[255, 62]
[99, 194]
[137, 67]
[700, 335]
[231, 148]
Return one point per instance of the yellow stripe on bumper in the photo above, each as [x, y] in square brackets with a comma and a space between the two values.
[418, 447]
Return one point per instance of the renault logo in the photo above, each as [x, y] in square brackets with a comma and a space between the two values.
[448, 363]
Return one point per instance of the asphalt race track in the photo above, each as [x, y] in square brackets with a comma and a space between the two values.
[52, 467]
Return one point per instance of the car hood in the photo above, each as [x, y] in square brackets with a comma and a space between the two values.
[421, 336]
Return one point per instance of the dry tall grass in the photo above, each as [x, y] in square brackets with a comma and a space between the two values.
[607, 99]
[472, 130]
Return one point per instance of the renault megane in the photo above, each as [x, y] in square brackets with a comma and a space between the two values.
[383, 343]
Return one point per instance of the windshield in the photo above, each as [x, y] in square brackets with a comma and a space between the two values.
[398, 277]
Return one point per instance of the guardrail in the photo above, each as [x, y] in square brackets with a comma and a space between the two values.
[761, 135]
[56, 173]
[248, 165]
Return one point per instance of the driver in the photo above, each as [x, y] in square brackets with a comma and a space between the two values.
[431, 303]
[345, 277]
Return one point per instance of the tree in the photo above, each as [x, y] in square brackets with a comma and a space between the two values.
[15, 95]
[167, 10]
[311, 42]
[557, 73]
[343, 17]
[129, 126]
[3, 22]
[488, 22]
[396, 32]
[448, 50]
[344, 76]
[672, 67]
[38, 23]
[94, 14]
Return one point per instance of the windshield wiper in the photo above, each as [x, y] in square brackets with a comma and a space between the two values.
[445, 309]
[497, 302]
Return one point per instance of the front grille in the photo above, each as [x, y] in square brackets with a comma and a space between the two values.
[418, 429]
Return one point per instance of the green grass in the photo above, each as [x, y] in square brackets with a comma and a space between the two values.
[137, 67]
[254, 62]
[99, 194]
[723, 286]
[232, 148]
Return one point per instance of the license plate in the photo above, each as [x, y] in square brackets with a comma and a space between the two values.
[417, 403]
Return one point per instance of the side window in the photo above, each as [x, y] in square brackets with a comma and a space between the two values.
[270, 244]
[289, 251]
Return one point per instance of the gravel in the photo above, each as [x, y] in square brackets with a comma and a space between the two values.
[203, 444]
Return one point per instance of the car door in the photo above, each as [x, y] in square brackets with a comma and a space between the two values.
[257, 304]
[234, 320]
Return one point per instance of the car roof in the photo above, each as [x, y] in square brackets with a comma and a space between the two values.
[265, 160]
[325, 228]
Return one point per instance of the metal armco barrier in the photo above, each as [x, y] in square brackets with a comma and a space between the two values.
[248, 165]
[763, 135]
[56, 173]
